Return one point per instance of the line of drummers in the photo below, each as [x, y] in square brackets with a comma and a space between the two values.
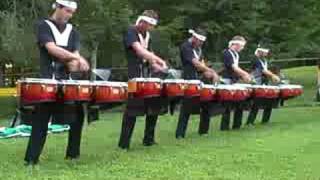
[151, 89]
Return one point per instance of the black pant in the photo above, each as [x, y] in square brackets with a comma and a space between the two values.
[265, 116]
[41, 118]
[237, 118]
[128, 123]
[184, 119]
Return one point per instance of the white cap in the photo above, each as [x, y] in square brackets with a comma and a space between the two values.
[66, 3]
[149, 20]
[196, 35]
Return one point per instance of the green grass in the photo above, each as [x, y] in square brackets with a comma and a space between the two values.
[288, 148]
[7, 106]
[306, 76]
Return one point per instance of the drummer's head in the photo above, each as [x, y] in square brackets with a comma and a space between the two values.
[261, 52]
[198, 37]
[147, 21]
[64, 10]
[237, 43]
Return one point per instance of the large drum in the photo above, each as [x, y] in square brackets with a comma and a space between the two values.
[145, 87]
[192, 88]
[289, 91]
[76, 90]
[208, 93]
[107, 92]
[34, 91]
[265, 91]
[174, 87]
[232, 93]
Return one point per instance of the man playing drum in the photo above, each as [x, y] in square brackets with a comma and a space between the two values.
[262, 74]
[193, 66]
[59, 45]
[141, 60]
[232, 73]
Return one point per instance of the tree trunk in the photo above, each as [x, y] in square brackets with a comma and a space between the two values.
[1, 76]
[93, 60]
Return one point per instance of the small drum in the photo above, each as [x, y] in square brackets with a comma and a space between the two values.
[248, 87]
[231, 93]
[288, 91]
[145, 87]
[174, 87]
[106, 92]
[34, 91]
[76, 90]
[208, 93]
[192, 88]
[265, 91]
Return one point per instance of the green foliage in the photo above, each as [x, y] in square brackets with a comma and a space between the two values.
[288, 27]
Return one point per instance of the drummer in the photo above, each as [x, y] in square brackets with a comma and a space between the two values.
[193, 66]
[59, 45]
[262, 75]
[141, 60]
[232, 73]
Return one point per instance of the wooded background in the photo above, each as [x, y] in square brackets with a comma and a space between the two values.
[289, 27]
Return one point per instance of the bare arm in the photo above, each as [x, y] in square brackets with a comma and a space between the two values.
[269, 74]
[60, 53]
[242, 73]
[145, 54]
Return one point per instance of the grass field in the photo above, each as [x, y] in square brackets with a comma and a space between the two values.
[287, 148]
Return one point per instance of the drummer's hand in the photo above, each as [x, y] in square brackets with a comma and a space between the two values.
[84, 65]
[73, 66]
[247, 78]
[275, 79]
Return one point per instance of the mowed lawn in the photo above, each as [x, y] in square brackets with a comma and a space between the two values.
[287, 148]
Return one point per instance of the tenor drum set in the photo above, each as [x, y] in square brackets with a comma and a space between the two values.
[33, 91]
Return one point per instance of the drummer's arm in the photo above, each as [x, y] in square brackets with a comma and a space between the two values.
[149, 56]
[60, 53]
[201, 66]
[242, 73]
[269, 74]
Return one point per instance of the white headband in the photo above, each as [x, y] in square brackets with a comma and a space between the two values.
[198, 36]
[149, 20]
[262, 50]
[66, 3]
[237, 42]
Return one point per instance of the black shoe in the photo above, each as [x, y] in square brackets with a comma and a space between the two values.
[123, 147]
[204, 134]
[179, 137]
[72, 157]
[30, 163]
[149, 143]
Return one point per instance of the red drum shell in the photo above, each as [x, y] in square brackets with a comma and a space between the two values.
[208, 94]
[37, 91]
[145, 88]
[104, 93]
[74, 91]
[192, 90]
[173, 89]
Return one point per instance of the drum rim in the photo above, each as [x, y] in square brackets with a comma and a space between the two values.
[110, 83]
[290, 86]
[265, 86]
[38, 80]
[146, 79]
[230, 87]
[209, 86]
[193, 81]
[174, 81]
[76, 82]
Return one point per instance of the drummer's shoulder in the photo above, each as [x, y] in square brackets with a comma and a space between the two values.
[186, 45]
